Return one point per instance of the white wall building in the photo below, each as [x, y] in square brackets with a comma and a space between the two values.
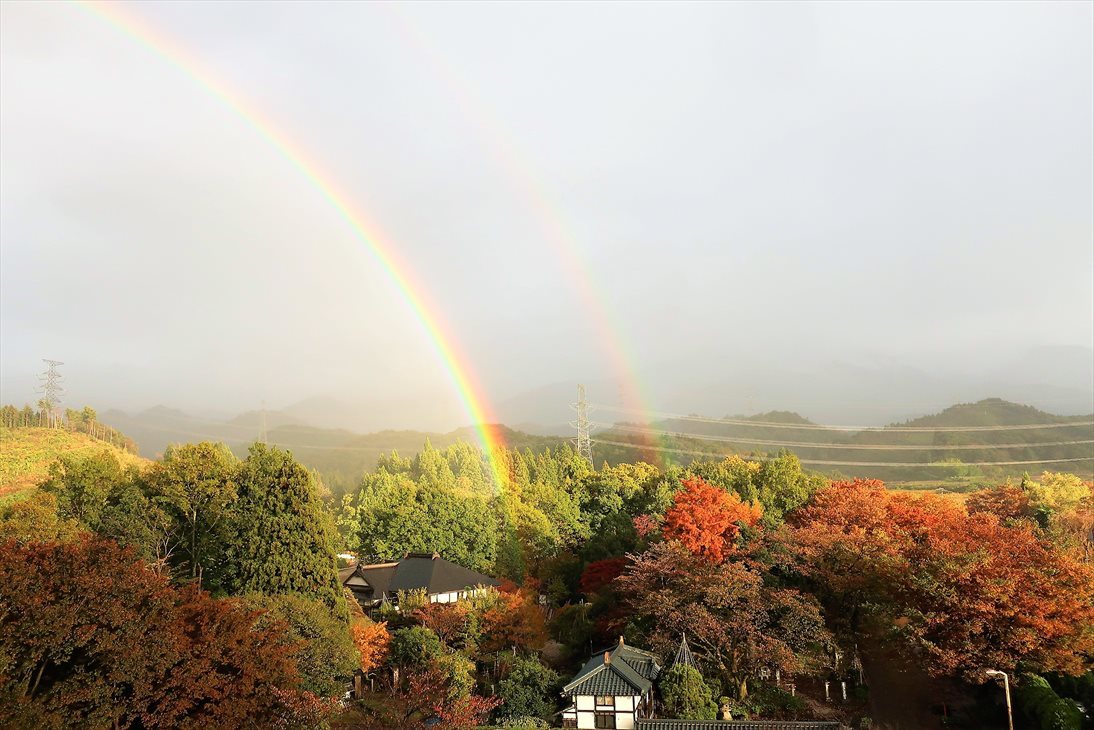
[612, 690]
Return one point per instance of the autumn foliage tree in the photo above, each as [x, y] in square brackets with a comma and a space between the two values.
[372, 640]
[447, 620]
[964, 591]
[418, 700]
[707, 520]
[734, 621]
[1007, 502]
[90, 636]
[600, 573]
[516, 621]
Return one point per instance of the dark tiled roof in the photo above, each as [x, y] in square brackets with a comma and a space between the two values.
[644, 662]
[417, 571]
[646, 724]
[378, 576]
[630, 671]
[615, 678]
[435, 575]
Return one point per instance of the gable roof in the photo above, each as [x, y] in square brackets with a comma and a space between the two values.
[619, 670]
[417, 571]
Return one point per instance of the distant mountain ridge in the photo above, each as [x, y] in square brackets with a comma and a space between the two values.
[882, 452]
[342, 455]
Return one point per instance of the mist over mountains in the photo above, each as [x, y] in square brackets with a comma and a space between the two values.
[1050, 379]
[857, 391]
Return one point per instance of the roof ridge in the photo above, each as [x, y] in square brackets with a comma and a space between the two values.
[591, 673]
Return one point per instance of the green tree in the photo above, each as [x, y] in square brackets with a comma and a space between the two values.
[431, 469]
[414, 646]
[281, 538]
[325, 655]
[393, 515]
[35, 519]
[779, 485]
[686, 695]
[83, 483]
[88, 414]
[529, 690]
[1041, 705]
[195, 485]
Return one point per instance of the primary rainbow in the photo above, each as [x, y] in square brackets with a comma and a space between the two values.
[367, 232]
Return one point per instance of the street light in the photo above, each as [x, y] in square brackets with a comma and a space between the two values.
[1006, 688]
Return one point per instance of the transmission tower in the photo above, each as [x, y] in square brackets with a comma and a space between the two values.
[583, 443]
[262, 436]
[51, 387]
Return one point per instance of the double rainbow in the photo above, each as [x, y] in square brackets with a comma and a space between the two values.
[412, 292]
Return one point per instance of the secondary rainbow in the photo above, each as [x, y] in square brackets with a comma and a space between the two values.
[412, 292]
[553, 222]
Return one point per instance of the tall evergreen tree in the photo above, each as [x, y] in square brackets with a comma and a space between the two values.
[282, 539]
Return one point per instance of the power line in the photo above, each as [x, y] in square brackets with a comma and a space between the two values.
[816, 445]
[824, 427]
[844, 463]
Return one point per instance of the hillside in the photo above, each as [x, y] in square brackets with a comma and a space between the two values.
[26, 454]
[341, 456]
[890, 452]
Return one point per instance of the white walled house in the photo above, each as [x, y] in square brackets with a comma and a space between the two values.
[613, 690]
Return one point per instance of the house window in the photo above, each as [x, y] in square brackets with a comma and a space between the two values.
[605, 720]
[605, 701]
[569, 722]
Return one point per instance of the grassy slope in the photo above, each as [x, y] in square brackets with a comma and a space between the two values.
[26, 453]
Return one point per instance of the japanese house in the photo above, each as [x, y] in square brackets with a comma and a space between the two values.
[613, 690]
[443, 581]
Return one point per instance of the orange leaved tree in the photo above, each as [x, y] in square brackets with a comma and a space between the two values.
[707, 520]
[964, 592]
[372, 641]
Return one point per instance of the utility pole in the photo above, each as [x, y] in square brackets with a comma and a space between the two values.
[51, 387]
[583, 443]
[1006, 688]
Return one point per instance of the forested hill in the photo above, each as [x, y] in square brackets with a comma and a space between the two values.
[991, 412]
[935, 455]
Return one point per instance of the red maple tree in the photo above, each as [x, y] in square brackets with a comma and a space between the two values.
[600, 573]
[91, 635]
[707, 520]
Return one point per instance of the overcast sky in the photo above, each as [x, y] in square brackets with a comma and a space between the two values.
[908, 183]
